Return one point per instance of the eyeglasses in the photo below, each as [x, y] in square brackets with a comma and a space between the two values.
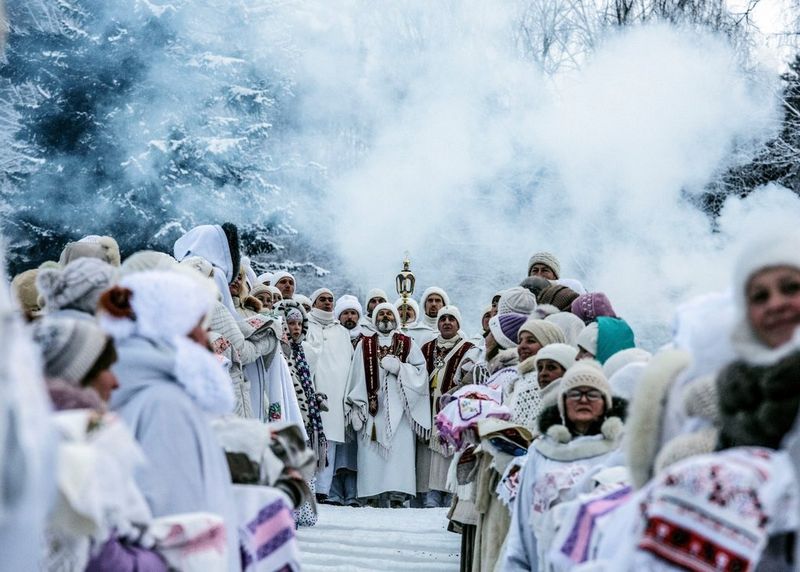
[590, 394]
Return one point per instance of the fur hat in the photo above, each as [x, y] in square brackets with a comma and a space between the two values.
[559, 296]
[434, 290]
[587, 339]
[109, 246]
[449, 311]
[76, 250]
[24, 286]
[347, 302]
[516, 300]
[544, 332]
[505, 329]
[385, 306]
[70, 348]
[569, 323]
[589, 306]
[584, 373]
[77, 286]
[613, 335]
[623, 358]
[318, 292]
[232, 235]
[152, 260]
[156, 305]
[548, 260]
[562, 354]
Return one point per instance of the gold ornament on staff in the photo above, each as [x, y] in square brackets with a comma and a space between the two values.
[405, 289]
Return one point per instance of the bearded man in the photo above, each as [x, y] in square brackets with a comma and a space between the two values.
[348, 311]
[444, 358]
[374, 297]
[388, 405]
[330, 353]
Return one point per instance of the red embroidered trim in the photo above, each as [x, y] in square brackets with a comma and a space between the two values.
[401, 346]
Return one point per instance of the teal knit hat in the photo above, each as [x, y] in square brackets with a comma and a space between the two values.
[614, 335]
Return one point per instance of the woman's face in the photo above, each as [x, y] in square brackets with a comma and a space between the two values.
[295, 328]
[773, 304]
[528, 346]
[548, 371]
[104, 383]
[584, 405]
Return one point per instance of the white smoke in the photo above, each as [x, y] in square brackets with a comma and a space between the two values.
[469, 158]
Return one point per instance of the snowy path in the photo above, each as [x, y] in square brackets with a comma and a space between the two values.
[361, 539]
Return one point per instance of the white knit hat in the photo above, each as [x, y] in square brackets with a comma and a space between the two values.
[563, 354]
[77, 286]
[303, 299]
[411, 302]
[587, 339]
[517, 300]
[548, 260]
[622, 358]
[277, 276]
[154, 260]
[376, 293]
[265, 278]
[434, 290]
[347, 302]
[318, 292]
[572, 284]
[544, 332]
[70, 348]
[584, 373]
[449, 311]
[203, 266]
[569, 323]
[386, 306]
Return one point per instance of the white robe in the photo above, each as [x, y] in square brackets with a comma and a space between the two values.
[387, 463]
[330, 351]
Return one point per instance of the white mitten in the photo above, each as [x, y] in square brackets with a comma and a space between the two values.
[391, 364]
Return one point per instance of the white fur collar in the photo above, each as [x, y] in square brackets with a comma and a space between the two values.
[754, 352]
[203, 377]
[559, 444]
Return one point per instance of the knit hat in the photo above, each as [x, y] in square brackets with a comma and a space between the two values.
[265, 278]
[517, 300]
[152, 260]
[548, 260]
[562, 354]
[318, 292]
[289, 308]
[305, 300]
[622, 358]
[24, 286]
[109, 245]
[386, 306]
[70, 348]
[199, 263]
[449, 311]
[589, 306]
[280, 274]
[294, 315]
[584, 373]
[375, 293]
[625, 379]
[434, 290]
[260, 289]
[569, 323]
[77, 286]
[587, 339]
[559, 296]
[544, 332]
[505, 329]
[613, 335]
[275, 292]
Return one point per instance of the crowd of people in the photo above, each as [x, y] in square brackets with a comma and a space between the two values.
[202, 410]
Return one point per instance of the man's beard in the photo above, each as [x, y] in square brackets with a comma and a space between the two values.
[349, 324]
[386, 326]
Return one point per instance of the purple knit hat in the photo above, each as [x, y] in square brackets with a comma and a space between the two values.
[505, 327]
[589, 307]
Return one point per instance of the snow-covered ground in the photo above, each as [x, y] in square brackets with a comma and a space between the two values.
[372, 539]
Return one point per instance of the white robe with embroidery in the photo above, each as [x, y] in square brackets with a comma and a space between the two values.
[386, 463]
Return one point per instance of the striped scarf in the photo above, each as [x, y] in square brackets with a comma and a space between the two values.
[319, 443]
